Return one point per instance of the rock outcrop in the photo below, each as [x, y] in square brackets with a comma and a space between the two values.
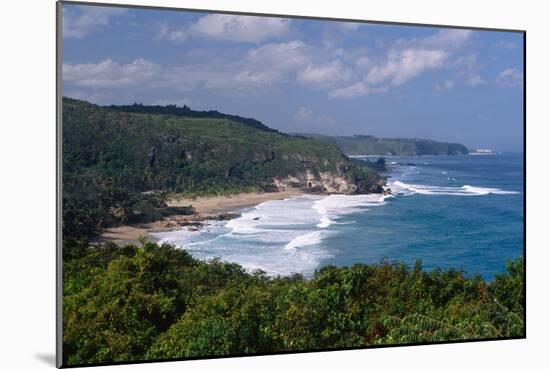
[328, 182]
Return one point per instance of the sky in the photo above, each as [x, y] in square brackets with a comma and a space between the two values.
[303, 75]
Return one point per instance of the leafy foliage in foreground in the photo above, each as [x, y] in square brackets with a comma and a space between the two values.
[157, 302]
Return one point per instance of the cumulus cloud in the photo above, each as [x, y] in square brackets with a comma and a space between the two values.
[324, 74]
[81, 21]
[447, 39]
[341, 73]
[225, 27]
[475, 80]
[172, 34]
[510, 77]
[264, 66]
[273, 62]
[447, 85]
[404, 65]
[110, 74]
[355, 90]
[465, 63]
[405, 60]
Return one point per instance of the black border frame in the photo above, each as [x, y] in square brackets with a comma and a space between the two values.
[59, 182]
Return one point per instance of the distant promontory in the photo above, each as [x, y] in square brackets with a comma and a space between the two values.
[370, 145]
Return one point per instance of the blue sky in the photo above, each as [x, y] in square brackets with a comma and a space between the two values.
[336, 78]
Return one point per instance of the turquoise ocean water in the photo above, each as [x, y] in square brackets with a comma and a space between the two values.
[462, 212]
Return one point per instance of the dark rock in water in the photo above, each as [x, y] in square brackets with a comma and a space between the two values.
[228, 216]
[387, 191]
[256, 218]
[191, 224]
[411, 164]
[367, 187]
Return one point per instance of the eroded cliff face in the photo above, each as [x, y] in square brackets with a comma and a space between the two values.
[329, 182]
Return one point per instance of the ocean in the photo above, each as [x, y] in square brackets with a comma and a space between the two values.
[463, 212]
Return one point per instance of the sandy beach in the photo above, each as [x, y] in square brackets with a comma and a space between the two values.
[226, 204]
[205, 207]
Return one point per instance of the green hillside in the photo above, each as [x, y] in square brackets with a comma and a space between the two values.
[186, 111]
[116, 163]
[370, 145]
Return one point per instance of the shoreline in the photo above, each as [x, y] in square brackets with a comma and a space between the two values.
[206, 208]
[215, 205]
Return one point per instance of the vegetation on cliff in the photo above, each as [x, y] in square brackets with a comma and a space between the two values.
[185, 111]
[157, 302]
[370, 145]
[119, 162]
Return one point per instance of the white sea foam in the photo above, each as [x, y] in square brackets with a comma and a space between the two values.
[307, 239]
[487, 190]
[333, 207]
[279, 236]
[466, 190]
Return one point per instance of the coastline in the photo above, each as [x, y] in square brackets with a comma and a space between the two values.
[216, 205]
[207, 208]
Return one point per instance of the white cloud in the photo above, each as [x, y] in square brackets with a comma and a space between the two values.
[273, 62]
[405, 60]
[178, 34]
[403, 65]
[280, 55]
[468, 70]
[465, 63]
[87, 19]
[475, 80]
[307, 118]
[342, 73]
[447, 39]
[303, 114]
[110, 74]
[355, 90]
[510, 77]
[239, 28]
[269, 65]
[363, 61]
[324, 74]
[447, 85]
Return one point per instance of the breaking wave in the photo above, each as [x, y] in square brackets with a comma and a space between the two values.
[402, 188]
[279, 236]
